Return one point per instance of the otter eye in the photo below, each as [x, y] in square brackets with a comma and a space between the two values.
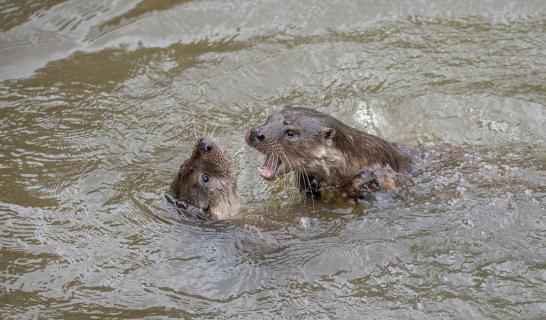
[205, 178]
[290, 133]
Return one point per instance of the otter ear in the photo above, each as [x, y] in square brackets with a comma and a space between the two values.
[328, 133]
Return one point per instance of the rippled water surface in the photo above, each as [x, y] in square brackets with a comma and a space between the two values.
[100, 102]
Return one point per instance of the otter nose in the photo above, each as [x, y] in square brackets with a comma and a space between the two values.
[256, 134]
[205, 144]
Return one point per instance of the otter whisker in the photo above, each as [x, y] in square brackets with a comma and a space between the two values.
[298, 180]
[205, 129]
[193, 129]
[295, 180]
[306, 182]
[236, 158]
[286, 185]
[213, 132]
[304, 185]
[291, 169]
[310, 188]
[288, 161]
[301, 182]
[277, 159]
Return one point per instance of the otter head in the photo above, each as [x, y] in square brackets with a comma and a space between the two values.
[295, 139]
[205, 181]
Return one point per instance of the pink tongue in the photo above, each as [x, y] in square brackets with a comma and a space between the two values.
[269, 169]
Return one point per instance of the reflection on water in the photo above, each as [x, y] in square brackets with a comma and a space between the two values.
[101, 101]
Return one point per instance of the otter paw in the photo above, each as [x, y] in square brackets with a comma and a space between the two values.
[370, 181]
[362, 186]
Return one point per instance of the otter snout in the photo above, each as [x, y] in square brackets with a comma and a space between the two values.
[256, 134]
[205, 144]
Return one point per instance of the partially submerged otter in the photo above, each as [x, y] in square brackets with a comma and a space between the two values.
[205, 183]
[364, 185]
[323, 149]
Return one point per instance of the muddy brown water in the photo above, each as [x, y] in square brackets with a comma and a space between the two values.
[100, 102]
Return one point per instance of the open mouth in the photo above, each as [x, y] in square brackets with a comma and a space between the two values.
[269, 170]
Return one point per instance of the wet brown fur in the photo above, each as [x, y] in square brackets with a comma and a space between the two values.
[218, 198]
[324, 147]
[356, 144]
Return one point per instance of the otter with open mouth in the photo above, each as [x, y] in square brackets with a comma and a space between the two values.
[322, 149]
[205, 184]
